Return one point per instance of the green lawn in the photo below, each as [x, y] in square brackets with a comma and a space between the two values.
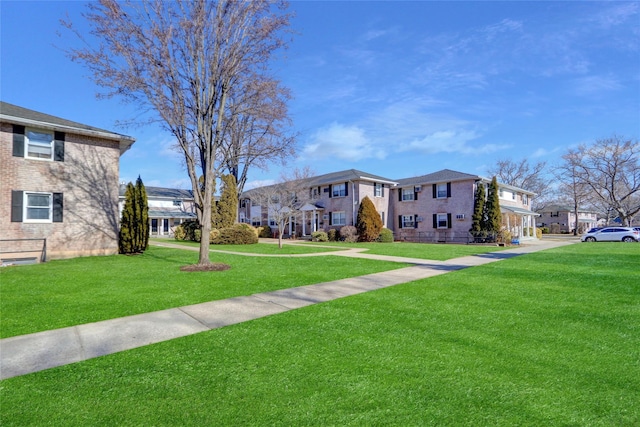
[436, 252]
[83, 290]
[550, 338]
[258, 248]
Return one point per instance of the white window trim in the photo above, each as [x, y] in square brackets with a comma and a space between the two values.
[441, 191]
[343, 218]
[411, 196]
[341, 190]
[446, 221]
[378, 189]
[408, 221]
[25, 207]
[27, 143]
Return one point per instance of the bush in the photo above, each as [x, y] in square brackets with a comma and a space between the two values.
[368, 223]
[239, 234]
[332, 235]
[187, 231]
[348, 233]
[248, 227]
[319, 236]
[386, 236]
[265, 232]
[543, 230]
[539, 233]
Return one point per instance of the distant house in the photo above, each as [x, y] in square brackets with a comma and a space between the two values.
[436, 207]
[168, 208]
[58, 186]
[562, 219]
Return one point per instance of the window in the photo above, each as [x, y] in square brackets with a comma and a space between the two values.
[442, 191]
[501, 193]
[39, 144]
[255, 221]
[339, 190]
[407, 221]
[177, 203]
[378, 190]
[525, 199]
[407, 194]
[442, 220]
[38, 207]
[272, 222]
[338, 218]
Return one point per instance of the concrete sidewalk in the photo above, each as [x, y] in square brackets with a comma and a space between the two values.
[25, 354]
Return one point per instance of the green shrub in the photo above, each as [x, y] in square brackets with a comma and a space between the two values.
[368, 223]
[332, 235]
[386, 236]
[187, 231]
[544, 230]
[349, 233]
[539, 233]
[319, 236]
[197, 235]
[239, 234]
[265, 232]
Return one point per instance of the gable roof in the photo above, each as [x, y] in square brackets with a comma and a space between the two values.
[348, 175]
[444, 175]
[332, 178]
[23, 116]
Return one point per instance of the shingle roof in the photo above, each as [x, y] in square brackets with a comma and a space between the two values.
[24, 116]
[445, 175]
[334, 178]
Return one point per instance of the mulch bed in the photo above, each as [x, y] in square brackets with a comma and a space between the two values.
[214, 266]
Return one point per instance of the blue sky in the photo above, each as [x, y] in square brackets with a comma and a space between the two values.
[397, 89]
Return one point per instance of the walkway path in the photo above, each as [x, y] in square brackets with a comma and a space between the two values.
[25, 354]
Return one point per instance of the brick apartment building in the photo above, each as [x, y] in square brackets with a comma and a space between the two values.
[58, 186]
[436, 207]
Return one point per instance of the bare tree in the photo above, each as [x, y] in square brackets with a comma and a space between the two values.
[571, 184]
[284, 200]
[610, 169]
[256, 131]
[180, 60]
[523, 175]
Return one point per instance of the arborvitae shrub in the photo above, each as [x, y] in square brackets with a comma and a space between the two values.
[134, 224]
[227, 206]
[333, 235]
[386, 236]
[349, 233]
[368, 223]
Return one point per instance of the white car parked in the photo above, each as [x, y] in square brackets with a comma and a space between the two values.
[613, 234]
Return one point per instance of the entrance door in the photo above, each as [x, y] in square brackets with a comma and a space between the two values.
[154, 226]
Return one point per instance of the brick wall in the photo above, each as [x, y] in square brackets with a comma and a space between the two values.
[88, 179]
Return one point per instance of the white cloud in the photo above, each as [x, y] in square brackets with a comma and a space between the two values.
[342, 142]
[593, 85]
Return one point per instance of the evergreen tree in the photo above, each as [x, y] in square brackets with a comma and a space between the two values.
[477, 220]
[227, 206]
[134, 225]
[125, 242]
[142, 218]
[493, 217]
[368, 222]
